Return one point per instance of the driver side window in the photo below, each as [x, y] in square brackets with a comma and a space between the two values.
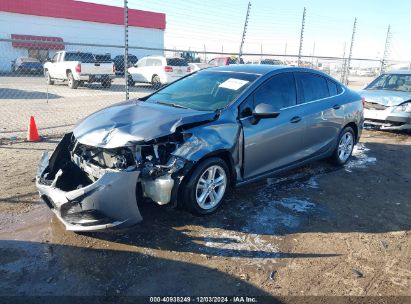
[279, 91]
[247, 107]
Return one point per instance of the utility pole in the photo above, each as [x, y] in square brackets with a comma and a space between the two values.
[343, 66]
[285, 52]
[205, 56]
[240, 53]
[386, 49]
[301, 37]
[261, 52]
[126, 48]
[312, 56]
[222, 50]
[350, 54]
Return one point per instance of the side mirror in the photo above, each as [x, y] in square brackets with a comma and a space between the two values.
[264, 110]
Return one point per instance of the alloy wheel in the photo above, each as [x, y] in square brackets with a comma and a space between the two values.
[211, 187]
[345, 146]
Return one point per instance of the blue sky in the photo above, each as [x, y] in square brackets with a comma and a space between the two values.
[275, 25]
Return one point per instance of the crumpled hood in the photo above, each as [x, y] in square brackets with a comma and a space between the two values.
[134, 121]
[384, 97]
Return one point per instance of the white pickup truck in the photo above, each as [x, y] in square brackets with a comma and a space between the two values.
[77, 68]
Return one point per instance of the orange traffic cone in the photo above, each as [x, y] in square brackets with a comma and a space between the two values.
[32, 134]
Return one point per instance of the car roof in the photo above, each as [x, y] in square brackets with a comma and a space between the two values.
[407, 72]
[259, 69]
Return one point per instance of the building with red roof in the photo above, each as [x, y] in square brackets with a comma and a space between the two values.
[41, 27]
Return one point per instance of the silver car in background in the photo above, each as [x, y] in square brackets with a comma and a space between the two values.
[190, 142]
[387, 101]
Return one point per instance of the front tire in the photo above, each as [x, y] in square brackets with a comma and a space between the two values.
[156, 82]
[49, 81]
[207, 187]
[72, 83]
[345, 146]
[130, 80]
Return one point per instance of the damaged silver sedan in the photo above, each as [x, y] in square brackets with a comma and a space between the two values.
[190, 142]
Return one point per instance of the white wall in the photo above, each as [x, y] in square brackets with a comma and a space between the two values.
[74, 31]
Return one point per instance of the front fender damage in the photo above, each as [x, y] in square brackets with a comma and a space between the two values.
[84, 202]
[92, 188]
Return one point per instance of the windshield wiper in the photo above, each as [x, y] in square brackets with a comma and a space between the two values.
[171, 105]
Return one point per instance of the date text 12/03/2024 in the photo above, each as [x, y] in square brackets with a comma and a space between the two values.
[234, 299]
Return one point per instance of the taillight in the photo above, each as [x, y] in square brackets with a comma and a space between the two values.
[188, 70]
[78, 68]
[363, 101]
[168, 69]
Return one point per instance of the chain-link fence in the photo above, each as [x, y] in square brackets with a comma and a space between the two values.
[75, 79]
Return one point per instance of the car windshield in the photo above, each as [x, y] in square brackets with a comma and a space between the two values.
[391, 82]
[204, 91]
[29, 59]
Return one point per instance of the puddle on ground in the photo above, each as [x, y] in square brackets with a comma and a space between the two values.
[251, 244]
[255, 229]
[297, 205]
[359, 159]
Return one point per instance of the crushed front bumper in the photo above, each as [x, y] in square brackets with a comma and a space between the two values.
[108, 202]
[387, 119]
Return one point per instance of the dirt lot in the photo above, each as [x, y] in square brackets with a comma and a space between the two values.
[315, 231]
[56, 108]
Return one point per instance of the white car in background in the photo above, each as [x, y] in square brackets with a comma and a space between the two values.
[158, 70]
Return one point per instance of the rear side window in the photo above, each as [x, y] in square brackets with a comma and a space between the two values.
[142, 63]
[279, 91]
[312, 87]
[332, 87]
[157, 62]
[103, 58]
[176, 62]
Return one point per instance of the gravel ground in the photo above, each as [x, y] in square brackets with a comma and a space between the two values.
[56, 108]
[316, 231]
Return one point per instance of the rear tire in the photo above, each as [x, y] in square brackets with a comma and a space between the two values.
[72, 83]
[207, 187]
[156, 82]
[130, 80]
[345, 146]
[49, 81]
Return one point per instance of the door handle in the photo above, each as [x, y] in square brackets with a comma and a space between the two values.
[336, 107]
[295, 119]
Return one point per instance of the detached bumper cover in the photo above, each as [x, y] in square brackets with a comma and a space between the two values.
[108, 202]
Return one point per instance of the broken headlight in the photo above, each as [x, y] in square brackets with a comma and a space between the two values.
[405, 107]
